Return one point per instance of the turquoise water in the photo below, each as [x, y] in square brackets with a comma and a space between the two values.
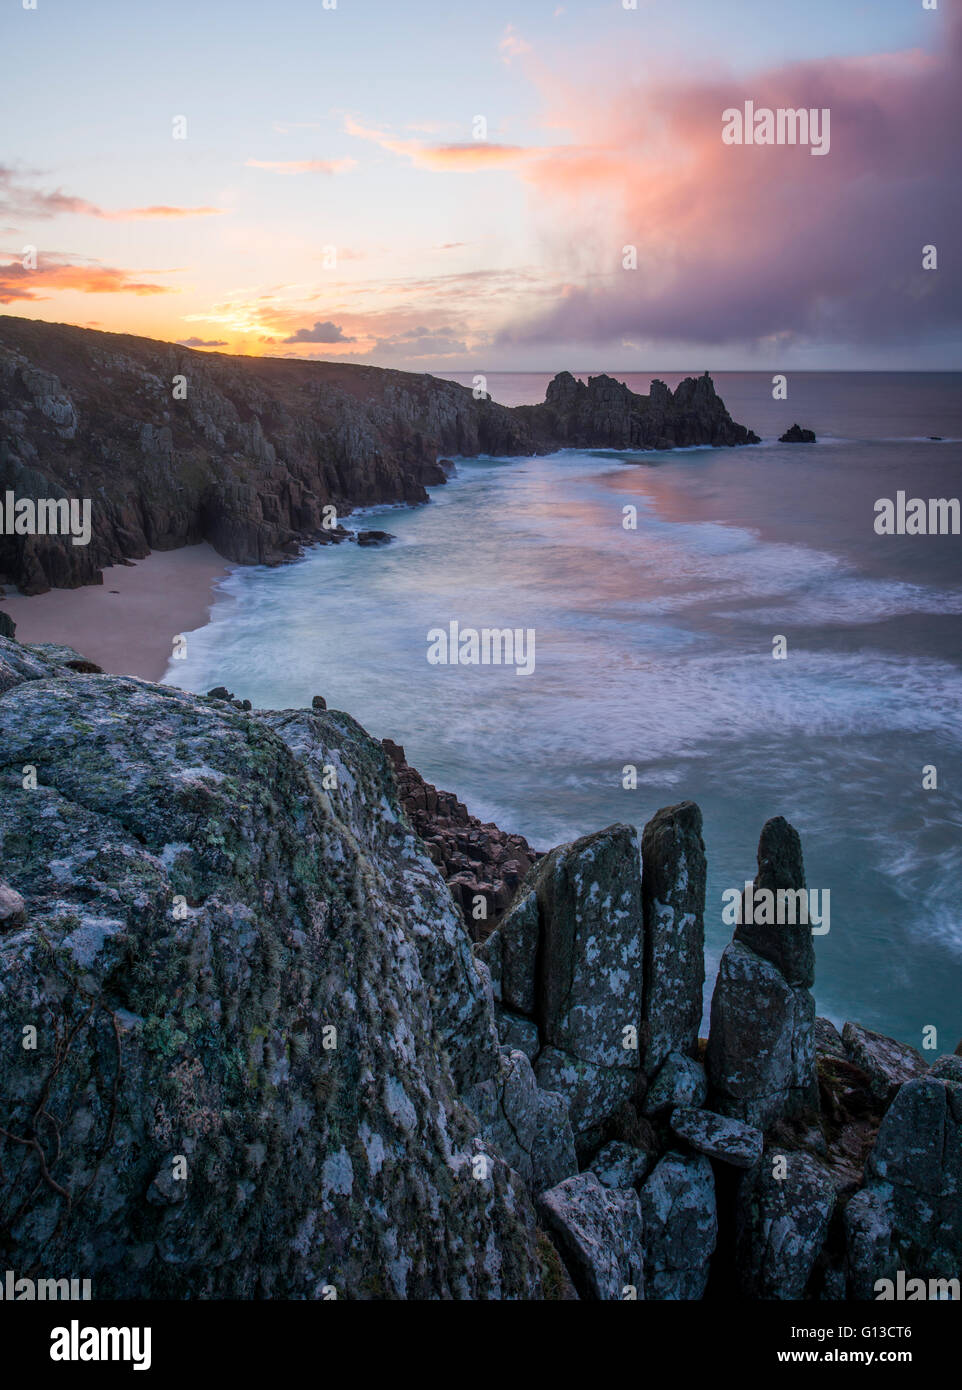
[654, 649]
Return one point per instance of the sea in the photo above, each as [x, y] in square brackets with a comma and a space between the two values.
[741, 636]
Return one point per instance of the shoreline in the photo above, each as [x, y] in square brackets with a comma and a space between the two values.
[127, 624]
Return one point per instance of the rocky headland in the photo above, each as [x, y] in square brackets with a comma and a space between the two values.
[175, 446]
[248, 1049]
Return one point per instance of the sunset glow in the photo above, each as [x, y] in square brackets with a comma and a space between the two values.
[425, 220]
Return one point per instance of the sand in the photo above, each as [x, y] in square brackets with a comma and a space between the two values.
[128, 623]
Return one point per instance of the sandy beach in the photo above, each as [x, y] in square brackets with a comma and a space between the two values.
[128, 623]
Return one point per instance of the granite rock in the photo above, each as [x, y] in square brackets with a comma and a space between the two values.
[599, 1233]
[673, 897]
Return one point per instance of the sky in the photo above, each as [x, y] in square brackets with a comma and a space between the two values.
[444, 186]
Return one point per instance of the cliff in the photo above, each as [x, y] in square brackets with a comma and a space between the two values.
[175, 446]
[246, 1048]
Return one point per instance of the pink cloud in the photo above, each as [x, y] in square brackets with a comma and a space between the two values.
[758, 244]
[448, 158]
[512, 45]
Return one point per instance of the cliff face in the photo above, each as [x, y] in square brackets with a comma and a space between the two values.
[246, 1049]
[254, 448]
[257, 1014]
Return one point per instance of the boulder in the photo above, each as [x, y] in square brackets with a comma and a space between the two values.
[681, 1081]
[673, 898]
[782, 1220]
[888, 1064]
[761, 1055]
[594, 1093]
[368, 538]
[908, 1216]
[871, 1245]
[13, 909]
[797, 435]
[622, 1165]
[514, 1031]
[599, 1233]
[718, 1137]
[681, 1226]
[507, 1106]
[529, 1127]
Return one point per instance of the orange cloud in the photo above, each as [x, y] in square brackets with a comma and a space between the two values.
[479, 155]
[451, 158]
[52, 274]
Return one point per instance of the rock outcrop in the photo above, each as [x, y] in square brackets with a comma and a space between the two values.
[761, 1043]
[569, 955]
[908, 1216]
[888, 1064]
[257, 1013]
[604, 413]
[797, 435]
[681, 1226]
[248, 1049]
[259, 455]
[783, 1218]
[673, 894]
